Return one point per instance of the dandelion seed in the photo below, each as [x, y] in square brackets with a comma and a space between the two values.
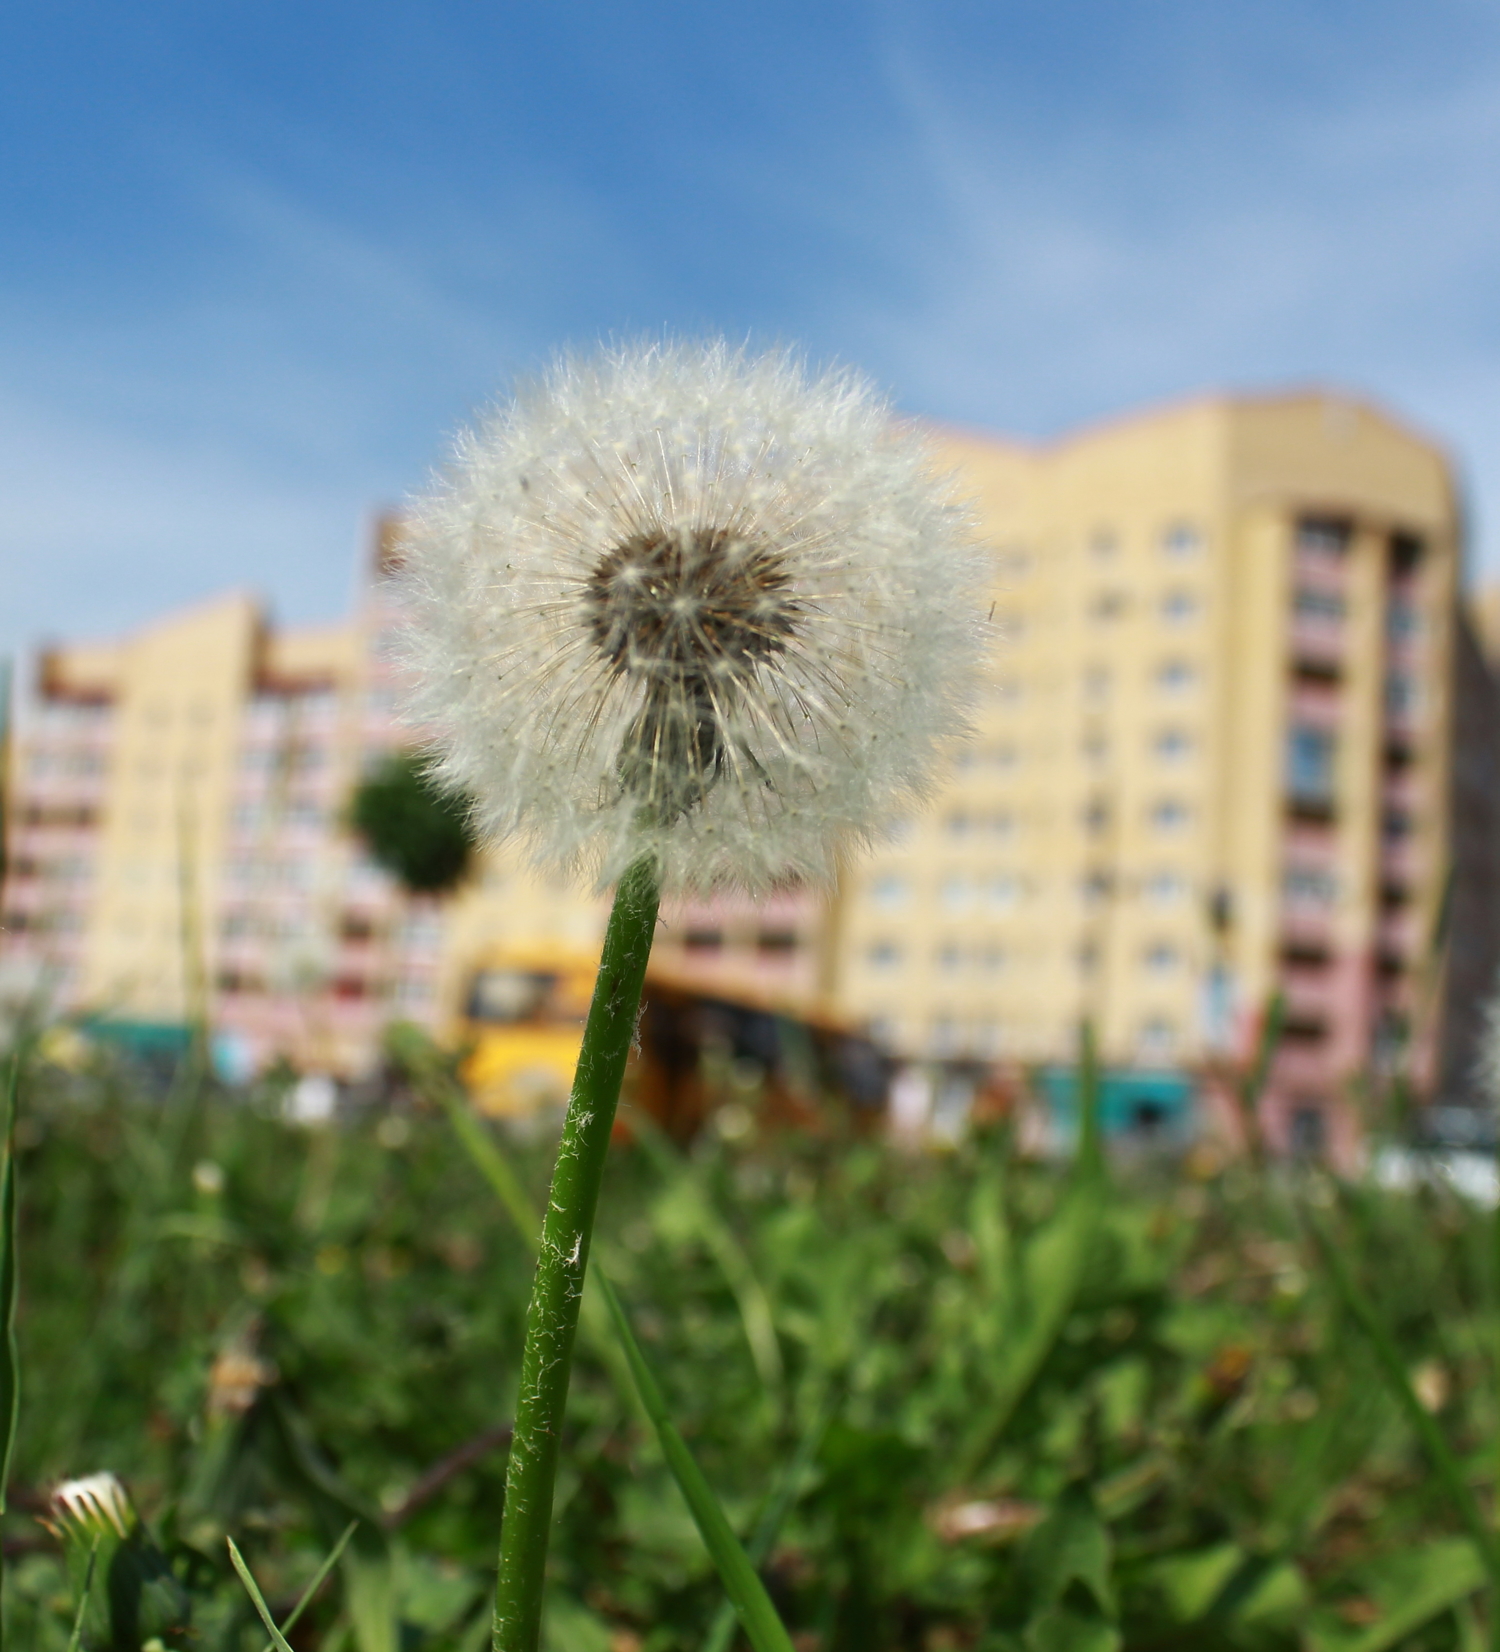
[685, 601]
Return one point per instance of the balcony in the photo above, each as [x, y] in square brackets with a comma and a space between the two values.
[1310, 992]
[1304, 1066]
[1398, 936]
[1306, 925]
[1401, 791]
[1315, 703]
[1319, 642]
[1402, 861]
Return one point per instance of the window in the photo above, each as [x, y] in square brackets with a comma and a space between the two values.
[1005, 757]
[1396, 824]
[1014, 561]
[1103, 544]
[1181, 539]
[991, 959]
[1322, 538]
[989, 1038]
[1095, 817]
[1163, 888]
[884, 955]
[702, 940]
[944, 1036]
[1095, 747]
[1157, 1039]
[957, 825]
[1160, 958]
[1308, 1130]
[1004, 892]
[233, 982]
[1177, 607]
[1402, 694]
[1175, 676]
[776, 943]
[1406, 554]
[949, 957]
[1097, 681]
[422, 931]
[1172, 745]
[1108, 605]
[1095, 887]
[1310, 754]
[958, 894]
[1169, 814]
[1309, 885]
[1002, 825]
[889, 891]
[1402, 620]
[1310, 603]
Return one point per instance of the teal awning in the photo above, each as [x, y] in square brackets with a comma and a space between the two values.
[1132, 1101]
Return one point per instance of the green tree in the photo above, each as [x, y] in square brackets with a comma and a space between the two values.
[417, 832]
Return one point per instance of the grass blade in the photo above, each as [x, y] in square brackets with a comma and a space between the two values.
[305, 1599]
[741, 1583]
[724, 1247]
[490, 1162]
[10, 1358]
[1423, 1424]
[773, 1517]
[278, 1640]
[1051, 1272]
[75, 1640]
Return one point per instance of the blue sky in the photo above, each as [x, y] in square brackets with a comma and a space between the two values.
[257, 260]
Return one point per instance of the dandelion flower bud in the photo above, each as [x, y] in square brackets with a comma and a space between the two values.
[688, 601]
[96, 1505]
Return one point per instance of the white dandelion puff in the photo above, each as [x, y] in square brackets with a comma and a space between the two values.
[686, 601]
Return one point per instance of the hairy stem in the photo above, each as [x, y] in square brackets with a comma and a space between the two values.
[552, 1317]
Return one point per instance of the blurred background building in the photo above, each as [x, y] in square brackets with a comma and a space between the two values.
[1237, 739]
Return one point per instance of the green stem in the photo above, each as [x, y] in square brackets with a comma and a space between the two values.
[552, 1317]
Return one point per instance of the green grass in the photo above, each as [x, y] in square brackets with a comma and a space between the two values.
[986, 1404]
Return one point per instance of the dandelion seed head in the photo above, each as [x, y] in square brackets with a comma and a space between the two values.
[687, 600]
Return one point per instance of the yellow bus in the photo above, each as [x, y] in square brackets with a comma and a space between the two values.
[523, 1023]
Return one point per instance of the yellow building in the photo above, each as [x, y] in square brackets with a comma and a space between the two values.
[1211, 762]
[178, 851]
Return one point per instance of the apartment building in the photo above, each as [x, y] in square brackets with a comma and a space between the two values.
[178, 850]
[1211, 763]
